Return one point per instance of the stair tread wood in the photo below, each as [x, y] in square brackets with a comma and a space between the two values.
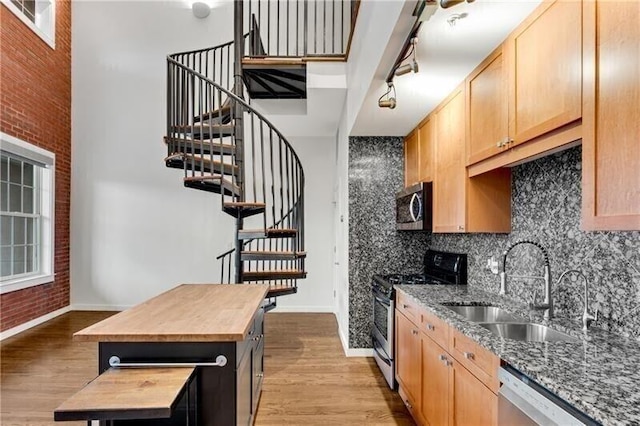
[244, 204]
[273, 274]
[206, 146]
[280, 289]
[273, 252]
[200, 161]
[224, 112]
[274, 60]
[119, 393]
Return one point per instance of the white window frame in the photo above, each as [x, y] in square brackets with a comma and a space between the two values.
[48, 37]
[18, 147]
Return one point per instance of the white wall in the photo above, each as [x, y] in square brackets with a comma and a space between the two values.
[380, 25]
[135, 230]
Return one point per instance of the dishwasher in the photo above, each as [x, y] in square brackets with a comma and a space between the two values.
[523, 402]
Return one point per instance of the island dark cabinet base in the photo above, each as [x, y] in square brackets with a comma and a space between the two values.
[226, 395]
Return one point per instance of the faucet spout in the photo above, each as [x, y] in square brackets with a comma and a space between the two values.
[587, 317]
[547, 304]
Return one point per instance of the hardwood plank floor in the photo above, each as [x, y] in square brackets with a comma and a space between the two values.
[308, 380]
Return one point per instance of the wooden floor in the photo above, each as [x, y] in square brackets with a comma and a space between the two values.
[308, 380]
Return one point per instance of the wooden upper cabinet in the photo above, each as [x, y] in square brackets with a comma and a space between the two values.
[426, 142]
[611, 120]
[545, 55]
[462, 204]
[449, 192]
[411, 159]
[487, 108]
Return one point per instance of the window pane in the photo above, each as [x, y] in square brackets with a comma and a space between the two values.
[15, 198]
[5, 230]
[15, 171]
[19, 231]
[28, 174]
[27, 195]
[30, 265]
[5, 261]
[4, 197]
[19, 260]
[30, 9]
[31, 226]
[4, 168]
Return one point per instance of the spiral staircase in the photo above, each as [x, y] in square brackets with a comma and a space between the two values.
[226, 147]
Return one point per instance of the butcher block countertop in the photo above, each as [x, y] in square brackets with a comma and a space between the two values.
[187, 313]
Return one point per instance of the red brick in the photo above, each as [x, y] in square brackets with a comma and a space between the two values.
[35, 87]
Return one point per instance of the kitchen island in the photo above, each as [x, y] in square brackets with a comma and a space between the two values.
[216, 329]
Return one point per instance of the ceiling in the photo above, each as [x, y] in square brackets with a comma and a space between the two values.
[445, 54]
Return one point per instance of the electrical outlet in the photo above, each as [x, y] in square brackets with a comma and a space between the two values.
[492, 265]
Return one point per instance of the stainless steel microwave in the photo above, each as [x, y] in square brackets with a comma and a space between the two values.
[414, 208]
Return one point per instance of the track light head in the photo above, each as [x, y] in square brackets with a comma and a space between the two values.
[387, 103]
[407, 68]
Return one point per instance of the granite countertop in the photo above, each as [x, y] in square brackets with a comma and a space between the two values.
[599, 374]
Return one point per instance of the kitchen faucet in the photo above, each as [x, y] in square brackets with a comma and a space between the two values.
[547, 304]
[587, 318]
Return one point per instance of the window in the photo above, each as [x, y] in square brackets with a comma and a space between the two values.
[26, 214]
[39, 15]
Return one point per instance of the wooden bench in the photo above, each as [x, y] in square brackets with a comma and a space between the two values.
[128, 394]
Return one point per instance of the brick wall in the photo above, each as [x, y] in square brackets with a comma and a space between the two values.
[35, 100]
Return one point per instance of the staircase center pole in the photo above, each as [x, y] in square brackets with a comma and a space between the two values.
[238, 43]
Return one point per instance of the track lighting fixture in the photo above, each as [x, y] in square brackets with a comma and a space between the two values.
[407, 68]
[411, 66]
[388, 101]
[445, 4]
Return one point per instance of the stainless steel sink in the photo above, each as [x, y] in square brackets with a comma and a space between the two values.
[482, 313]
[527, 332]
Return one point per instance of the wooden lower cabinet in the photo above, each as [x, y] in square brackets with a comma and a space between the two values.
[435, 382]
[408, 358]
[436, 388]
[472, 402]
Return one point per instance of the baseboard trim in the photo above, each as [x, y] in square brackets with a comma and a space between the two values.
[349, 352]
[304, 309]
[34, 322]
[90, 307]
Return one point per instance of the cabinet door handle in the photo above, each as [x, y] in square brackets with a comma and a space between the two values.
[430, 327]
[460, 228]
[445, 360]
[260, 375]
[415, 332]
[469, 355]
[406, 306]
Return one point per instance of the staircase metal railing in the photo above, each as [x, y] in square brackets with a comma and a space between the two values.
[301, 28]
[200, 120]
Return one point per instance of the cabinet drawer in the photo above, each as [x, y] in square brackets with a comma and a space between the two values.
[436, 329]
[479, 361]
[408, 307]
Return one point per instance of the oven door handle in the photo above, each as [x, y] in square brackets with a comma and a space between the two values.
[383, 357]
[385, 302]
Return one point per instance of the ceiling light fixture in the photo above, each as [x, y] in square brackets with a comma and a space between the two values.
[388, 101]
[411, 66]
[454, 18]
[201, 9]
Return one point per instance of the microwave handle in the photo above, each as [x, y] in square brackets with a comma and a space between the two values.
[415, 198]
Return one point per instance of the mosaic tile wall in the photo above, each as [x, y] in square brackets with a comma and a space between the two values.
[375, 247]
[546, 202]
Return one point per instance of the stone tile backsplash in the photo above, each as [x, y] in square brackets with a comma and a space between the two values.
[375, 175]
[546, 203]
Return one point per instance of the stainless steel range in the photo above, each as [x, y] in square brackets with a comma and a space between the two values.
[440, 268]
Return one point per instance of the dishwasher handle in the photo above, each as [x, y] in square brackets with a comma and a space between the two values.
[538, 407]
